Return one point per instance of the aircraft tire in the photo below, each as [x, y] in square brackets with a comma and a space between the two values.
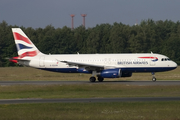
[100, 79]
[154, 79]
[92, 79]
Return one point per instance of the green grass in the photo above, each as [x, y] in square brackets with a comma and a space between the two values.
[27, 73]
[92, 111]
[86, 91]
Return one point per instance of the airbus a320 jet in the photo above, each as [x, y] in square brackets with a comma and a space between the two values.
[99, 65]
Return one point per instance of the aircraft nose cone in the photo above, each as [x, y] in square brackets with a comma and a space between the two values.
[174, 64]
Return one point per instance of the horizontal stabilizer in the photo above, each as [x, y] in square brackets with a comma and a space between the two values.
[16, 59]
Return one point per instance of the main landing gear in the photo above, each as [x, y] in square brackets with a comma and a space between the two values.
[100, 79]
[93, 79]
[153, 77]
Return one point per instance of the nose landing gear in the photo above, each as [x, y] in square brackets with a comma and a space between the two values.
[153, 77]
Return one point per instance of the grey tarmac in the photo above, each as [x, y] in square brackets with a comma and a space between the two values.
[139, 83]
[88, 100]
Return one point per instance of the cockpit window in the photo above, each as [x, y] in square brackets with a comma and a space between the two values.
[165, 59]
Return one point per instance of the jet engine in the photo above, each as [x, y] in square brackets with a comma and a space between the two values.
[111, 73]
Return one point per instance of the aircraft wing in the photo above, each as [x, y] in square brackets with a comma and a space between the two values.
[89, 67]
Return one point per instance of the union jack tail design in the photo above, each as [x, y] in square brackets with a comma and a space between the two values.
[24, 45]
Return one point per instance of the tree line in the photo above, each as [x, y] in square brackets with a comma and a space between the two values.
[161, 37]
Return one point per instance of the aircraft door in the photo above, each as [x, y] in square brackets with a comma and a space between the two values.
[153, 60]
[41, 61]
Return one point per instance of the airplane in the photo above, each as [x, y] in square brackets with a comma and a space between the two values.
[100, 65]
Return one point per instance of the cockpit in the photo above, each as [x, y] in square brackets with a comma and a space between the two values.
[165, 59]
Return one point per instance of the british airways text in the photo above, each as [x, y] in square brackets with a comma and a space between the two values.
[130, 63]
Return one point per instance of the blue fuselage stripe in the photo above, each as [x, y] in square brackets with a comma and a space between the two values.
[142, 69]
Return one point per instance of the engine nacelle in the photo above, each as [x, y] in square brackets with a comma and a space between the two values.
[111, 73]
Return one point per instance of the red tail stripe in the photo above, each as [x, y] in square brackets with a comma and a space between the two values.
[28, 54]
[20, 37]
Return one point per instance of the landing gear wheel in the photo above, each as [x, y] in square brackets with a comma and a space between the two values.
[100, 79]
[92, 79]
[154, 79]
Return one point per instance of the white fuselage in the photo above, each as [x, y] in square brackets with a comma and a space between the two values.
[126, 62]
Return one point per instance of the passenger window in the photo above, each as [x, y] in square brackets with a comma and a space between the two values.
[162, 59]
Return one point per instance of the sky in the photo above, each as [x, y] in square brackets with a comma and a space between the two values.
[40, 13]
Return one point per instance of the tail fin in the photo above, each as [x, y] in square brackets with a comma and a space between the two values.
[24, 45]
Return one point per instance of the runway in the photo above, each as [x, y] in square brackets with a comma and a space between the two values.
[88, 100]
[138, 83]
